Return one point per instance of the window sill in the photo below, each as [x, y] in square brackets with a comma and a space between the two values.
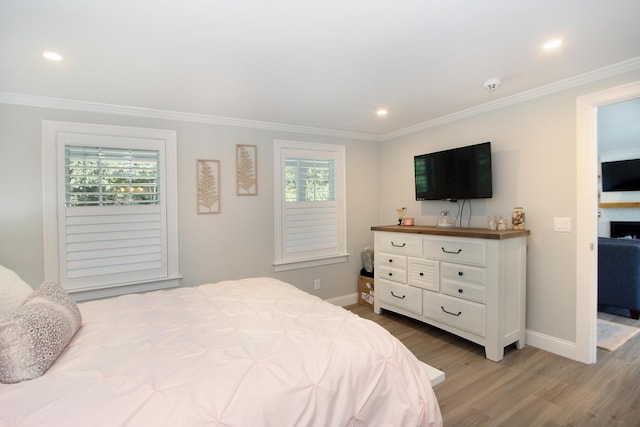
[295, 265]
[124, 288]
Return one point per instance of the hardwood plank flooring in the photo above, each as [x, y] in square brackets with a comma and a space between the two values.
[529, 387]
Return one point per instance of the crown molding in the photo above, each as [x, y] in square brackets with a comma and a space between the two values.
[579, 80]
[97, 107]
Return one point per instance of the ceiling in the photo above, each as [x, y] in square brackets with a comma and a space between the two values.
[326, 64]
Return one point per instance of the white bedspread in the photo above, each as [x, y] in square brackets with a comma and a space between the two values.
[253, 352]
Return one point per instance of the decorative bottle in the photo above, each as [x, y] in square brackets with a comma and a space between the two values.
[517, 218]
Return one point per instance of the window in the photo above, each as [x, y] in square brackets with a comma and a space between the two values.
[110, 208]
[103, 176]
[310, 204]
[310, 180]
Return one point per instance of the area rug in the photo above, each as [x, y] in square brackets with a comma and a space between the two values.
[612, 335]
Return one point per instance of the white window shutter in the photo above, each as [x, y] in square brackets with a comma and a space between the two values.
[311, 229]
[310, 216]
[115, 221]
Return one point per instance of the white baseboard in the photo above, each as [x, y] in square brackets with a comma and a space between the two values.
[344, 300]
[534, 339]
[551, 344]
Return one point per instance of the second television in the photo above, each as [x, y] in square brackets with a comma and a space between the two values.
[455, 174]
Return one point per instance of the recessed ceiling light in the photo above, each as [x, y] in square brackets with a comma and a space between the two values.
[382, 112]
[552, 44]
[52, 56]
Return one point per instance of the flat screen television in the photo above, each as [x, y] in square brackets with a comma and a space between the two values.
[455, 174]
[621, 175]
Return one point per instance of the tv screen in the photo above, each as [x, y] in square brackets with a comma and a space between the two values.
[459, 173]
[621, 175]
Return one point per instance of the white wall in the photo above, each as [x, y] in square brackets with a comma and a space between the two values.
[236, 243]
[534, 166]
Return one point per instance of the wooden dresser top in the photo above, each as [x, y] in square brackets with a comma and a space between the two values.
[476, 233]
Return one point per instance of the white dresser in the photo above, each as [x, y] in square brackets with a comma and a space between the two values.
[468, 281]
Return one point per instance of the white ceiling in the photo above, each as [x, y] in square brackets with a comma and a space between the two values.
[327, 64]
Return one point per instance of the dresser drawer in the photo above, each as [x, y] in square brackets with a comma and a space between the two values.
[463, 251]
[465, 315]
[464, 290]
[391, 273]
[424, 273]
[392, 260]
[463, 273]
[399, 243]
[402, 296]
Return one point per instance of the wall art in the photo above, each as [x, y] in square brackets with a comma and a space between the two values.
[246, 170]
[208, 179]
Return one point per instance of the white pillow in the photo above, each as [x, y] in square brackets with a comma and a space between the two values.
[13, 291]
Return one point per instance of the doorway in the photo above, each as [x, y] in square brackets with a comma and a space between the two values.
[587, 217]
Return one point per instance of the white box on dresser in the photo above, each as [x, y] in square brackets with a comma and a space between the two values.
[468, 281]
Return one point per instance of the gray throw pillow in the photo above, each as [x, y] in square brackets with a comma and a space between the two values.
[35, 334]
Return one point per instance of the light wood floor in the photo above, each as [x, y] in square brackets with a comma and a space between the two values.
[529, 387]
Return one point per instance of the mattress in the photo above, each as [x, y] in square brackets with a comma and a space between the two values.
[251, 352]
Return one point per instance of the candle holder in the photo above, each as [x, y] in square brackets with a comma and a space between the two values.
[401, 212]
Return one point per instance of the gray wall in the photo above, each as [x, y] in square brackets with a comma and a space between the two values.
[236, 243]
[534, 166]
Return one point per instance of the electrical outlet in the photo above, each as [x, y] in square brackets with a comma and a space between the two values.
[316, 284]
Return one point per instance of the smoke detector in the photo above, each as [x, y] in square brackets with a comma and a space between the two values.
[492, 84]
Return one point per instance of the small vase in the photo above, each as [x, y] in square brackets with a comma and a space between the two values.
[445, 219]
[501, 221]
[491, 222]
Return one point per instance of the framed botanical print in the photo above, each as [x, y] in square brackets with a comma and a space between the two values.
[208, 190]
[246, 170]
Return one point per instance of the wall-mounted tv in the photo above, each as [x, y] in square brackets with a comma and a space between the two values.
[621, 175]
[455, 174]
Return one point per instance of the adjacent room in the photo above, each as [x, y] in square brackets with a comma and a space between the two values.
[274, 212]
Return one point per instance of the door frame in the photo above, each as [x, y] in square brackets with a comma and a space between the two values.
[587, 214]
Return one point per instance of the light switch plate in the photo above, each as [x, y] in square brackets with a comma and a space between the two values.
[562, 224]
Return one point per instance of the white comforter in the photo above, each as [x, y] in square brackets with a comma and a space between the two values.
[253, 352]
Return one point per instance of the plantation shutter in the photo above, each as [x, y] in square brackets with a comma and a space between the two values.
[311, 204]
[310, 210]
[111, 191]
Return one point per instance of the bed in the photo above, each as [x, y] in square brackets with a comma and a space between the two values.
[251, 352]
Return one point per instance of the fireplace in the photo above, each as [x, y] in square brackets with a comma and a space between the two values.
[624, 229]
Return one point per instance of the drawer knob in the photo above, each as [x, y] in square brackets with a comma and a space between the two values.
[450, 252]
[398, 246]
[460, 291]
[421, 274]
[460, 273]
[448, 312]
[402, 297]
[390, 274]
[390, 261]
